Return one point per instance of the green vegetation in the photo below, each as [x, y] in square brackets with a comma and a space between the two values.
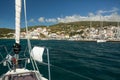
[30, 28]
[72, 27]
[62, 28]
[4, 32]
[42, 35]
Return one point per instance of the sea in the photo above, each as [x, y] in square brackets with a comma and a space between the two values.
[73, 60]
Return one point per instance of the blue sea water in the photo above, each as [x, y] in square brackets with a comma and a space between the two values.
[76, 60]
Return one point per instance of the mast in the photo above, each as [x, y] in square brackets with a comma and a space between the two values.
[16, 46]
[17, 20]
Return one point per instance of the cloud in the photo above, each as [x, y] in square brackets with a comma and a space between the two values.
[114, 9]
[113, 16]
[91, 17]
[31, 20]
[53, 20]
[91, 14]
[72, 18]
[41, 19]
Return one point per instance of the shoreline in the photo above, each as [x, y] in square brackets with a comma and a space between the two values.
[64, 39]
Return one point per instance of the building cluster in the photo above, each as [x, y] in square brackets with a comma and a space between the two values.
[107, 33]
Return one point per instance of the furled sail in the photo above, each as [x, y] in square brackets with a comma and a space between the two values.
[37, 53]
[17, 19]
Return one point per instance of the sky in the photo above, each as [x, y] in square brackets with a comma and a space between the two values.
[49, 12]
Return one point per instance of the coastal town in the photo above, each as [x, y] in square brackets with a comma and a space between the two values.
[109, 33]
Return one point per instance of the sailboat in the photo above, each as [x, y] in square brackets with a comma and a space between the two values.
[101, 41]
[16, 72]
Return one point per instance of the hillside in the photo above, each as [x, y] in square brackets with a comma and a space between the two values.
[67, 27]
[4, 32]
[31, 28]
[62, 28]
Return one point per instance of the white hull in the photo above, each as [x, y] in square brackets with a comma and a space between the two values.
[22, 74]
[101, 41]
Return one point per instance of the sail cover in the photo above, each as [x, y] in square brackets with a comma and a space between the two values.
[17, 20]
[37, 53]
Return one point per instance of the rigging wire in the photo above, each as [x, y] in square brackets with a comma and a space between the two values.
[48, 64]
[29, 44]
